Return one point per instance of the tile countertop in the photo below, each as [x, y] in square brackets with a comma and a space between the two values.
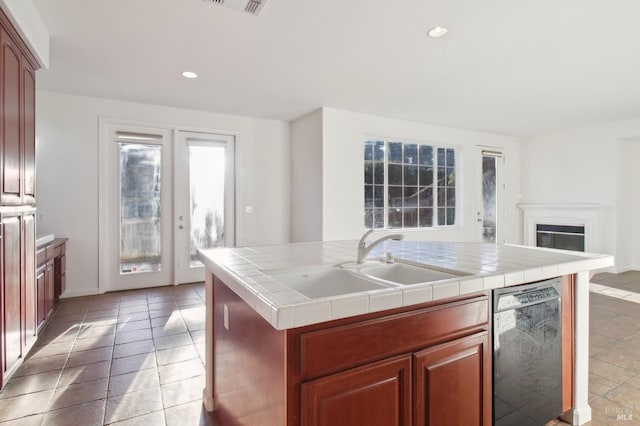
[489, 265]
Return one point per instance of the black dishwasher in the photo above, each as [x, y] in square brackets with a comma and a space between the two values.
[527, 354]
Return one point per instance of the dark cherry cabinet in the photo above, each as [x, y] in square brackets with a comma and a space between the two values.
[451, 382]
[17, 119]
[18, 280]
[28, 134]
[29, 294]
[11, 293]
[51, 276]
[377, 393]
[428, 364]
[18, 291]
[12, 147]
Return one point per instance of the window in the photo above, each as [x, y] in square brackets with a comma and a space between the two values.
[408, 185]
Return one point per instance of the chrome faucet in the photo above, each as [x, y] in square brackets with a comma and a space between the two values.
[364, 250]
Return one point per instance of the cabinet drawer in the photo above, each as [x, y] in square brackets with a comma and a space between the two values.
[41, 257]
[51, 252]
[62, 265]
[338, 348]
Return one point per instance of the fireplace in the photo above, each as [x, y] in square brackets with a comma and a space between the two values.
[562, 226]
[565, 237]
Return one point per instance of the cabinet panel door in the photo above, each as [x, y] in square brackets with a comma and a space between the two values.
[29, 132]
[40, 307]
[49, 297]
[11, 176]
[375, 394]
[452, 383]
[29, 279]
[12, 330]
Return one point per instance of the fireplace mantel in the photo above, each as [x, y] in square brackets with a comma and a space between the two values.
[587, 215]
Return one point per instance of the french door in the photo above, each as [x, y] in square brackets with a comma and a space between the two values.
[490, 198]
[163, 194]
[205, 199]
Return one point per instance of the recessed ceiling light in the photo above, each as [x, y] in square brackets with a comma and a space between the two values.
[438, 32]
[189, 74]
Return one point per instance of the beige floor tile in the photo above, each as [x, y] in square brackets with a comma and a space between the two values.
[90, 356]
[95, 331]
[85, 373]
[133, 381]
[133, 336]
[93, 342]
[132, 309]
[35, 420]
[170, 329]
[24, 405]
[133, 404]
[183, 391]
[133, 348]
[78, 393]
[87, 414]
[41, 365]
[172, 341]
[124, 327]
[191, 413]
[178, 354]
[28, 384]
[180, 371]
[152, 419]
[130, 317]
[133, 363]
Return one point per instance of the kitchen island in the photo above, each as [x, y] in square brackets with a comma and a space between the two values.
[412, 353]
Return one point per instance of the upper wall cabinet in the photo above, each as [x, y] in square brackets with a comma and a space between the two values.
[17, 119]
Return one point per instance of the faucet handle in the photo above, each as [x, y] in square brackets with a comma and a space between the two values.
[363, 239]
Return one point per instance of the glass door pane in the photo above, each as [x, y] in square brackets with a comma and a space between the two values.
[489, 198]
[140, 208]
[207, 192]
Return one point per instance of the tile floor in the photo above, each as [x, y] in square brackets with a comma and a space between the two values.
[136, 358]
[126, 358]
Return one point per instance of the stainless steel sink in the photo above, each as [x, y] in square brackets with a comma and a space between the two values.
[404, 273]
[324, 282]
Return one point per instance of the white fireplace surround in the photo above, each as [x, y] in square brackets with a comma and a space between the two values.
[587, 215]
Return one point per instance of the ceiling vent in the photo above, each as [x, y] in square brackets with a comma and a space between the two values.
[252, 6]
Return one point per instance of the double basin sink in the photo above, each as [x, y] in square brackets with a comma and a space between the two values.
[317, 282]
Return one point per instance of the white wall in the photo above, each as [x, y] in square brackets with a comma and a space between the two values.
[595, 164]
[306, 177]
[342, 204]
[68, 163]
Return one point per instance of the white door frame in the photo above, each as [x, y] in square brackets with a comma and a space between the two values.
[109, 247]
[106, 128]
[184, 273]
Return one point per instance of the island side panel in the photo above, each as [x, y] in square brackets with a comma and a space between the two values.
[568, 346]
[249, 363]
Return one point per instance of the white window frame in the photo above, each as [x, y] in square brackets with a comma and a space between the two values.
[435, 206]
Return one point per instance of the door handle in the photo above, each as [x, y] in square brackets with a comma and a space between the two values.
[180, 226]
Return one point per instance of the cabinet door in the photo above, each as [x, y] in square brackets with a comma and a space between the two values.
[28, 122]
[452, 383]
[49, 297]
[11, 147]
[375, 394]
[11, 297]
[29, 279]
[41, 310]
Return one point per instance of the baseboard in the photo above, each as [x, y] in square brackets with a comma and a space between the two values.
[79, 293]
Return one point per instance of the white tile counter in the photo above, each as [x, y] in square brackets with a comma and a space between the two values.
[246, 272]
[489, 265]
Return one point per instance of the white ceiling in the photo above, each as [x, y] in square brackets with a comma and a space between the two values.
[516, 67]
